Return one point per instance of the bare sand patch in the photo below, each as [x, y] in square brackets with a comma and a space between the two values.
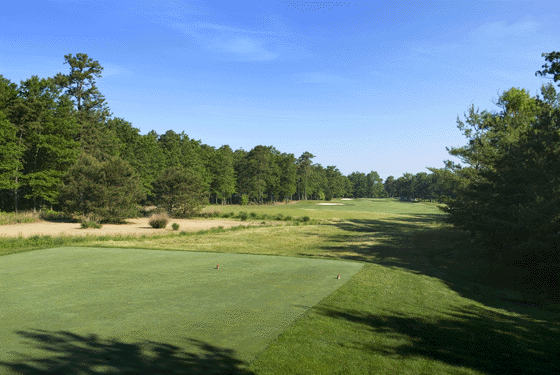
[330, 204]
[138, 227]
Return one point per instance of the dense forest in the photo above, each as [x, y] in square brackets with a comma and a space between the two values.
[61, 148]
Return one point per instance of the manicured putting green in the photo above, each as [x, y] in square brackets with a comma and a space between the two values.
[135, 295]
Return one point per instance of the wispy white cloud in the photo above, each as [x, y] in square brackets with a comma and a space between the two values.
[112, 69]
[221, 41]
[499, 30]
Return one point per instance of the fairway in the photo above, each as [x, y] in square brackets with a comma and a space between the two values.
[138, 297]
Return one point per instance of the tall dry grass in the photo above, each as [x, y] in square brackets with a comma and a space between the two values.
[20, 217]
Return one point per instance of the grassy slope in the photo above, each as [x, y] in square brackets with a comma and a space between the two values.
[420, 305]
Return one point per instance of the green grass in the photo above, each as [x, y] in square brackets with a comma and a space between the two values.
[425, 301]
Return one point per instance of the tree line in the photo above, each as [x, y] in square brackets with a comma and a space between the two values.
[61, 148]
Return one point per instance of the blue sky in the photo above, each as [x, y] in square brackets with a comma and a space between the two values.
[361, 85]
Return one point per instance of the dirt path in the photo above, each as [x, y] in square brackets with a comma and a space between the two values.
[138, 226]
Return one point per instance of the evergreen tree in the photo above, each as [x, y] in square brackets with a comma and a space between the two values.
[304, 169]
[11, 147]
[109, 189]
[11, 155]
[181, 192]
[47, 129]
[287, 176]
[375, 185]
[223, 174]
[92, 112]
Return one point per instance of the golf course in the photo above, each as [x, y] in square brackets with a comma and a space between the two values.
[265, 298]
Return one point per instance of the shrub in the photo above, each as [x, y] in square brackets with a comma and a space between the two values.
[305, 218]
[288, 218]
[253, 215]
[159, 221]
[90, 224]
[279, 217]
[90, 221]
[175, 226]
[242, 215]
[244, 199]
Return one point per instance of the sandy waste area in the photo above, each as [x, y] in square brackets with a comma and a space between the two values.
[138, 226]
[330, 204]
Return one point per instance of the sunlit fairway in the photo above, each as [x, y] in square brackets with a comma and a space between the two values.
[414, 298]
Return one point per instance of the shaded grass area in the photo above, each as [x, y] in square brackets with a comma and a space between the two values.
[425, 303]
[91, 354]
[391, 321]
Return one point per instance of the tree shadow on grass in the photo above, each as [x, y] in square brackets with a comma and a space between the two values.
[450, 255]
[472, 337]
[77, 354]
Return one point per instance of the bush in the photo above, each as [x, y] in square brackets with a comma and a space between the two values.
[288, 218]
[305, 218]
[159, 221]
[175, 226]
[253, 215]
[279, 217]
[90, 224]
[243, 215]
[244, 199]
[90, 221]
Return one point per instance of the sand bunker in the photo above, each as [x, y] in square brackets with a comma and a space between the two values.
[347, 199]
[330, 204]
[137, 226]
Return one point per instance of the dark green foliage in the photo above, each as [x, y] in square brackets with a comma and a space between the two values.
[160, 221]
[253, 215]
[181, 192]
[553, 69]
[222, 171]
[110, 190]
[175, 226]
[508, 196]
[11, 153]
[48, 129]
[80, 82]
[54, 216]
[242, 215]
[305, 218]
[303, 172]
